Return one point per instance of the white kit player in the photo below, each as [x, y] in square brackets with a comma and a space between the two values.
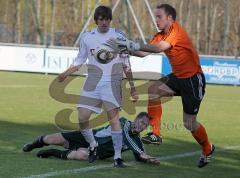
[103, 84]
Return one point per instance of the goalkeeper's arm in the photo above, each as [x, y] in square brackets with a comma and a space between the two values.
[155, 48]
[133, 46]
[147, 49]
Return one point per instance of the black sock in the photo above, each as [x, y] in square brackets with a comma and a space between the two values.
[39, 143]
[53, 152]
[61, 154]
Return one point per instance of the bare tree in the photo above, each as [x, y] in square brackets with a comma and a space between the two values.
[206, 29]
[226, 26]
[39, 40]
[36, 20]
[181, 12]
[14, 20]
[198, 26]
[83, 11]
[6, 11]
[187, 22]
[53, 4]
[76, 11]
[45, 22]
[212, 27]
[237, 36]
[19, 36]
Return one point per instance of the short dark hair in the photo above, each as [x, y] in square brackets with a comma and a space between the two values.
[104, 12]
[169, 10]
[141, 114]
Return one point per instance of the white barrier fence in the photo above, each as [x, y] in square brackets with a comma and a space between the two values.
[49, 60]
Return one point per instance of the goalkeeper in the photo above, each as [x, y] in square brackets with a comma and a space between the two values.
[186, 80]
[76, 146]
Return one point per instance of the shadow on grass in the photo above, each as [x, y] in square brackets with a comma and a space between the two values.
[16, 134]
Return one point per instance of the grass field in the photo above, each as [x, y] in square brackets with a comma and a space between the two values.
[27, 111]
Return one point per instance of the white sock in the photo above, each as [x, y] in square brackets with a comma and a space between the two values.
[88, 135]
[117, 143]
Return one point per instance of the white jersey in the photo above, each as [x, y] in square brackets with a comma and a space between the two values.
[88, 43]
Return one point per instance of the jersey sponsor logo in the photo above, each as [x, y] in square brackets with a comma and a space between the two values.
[92, 51]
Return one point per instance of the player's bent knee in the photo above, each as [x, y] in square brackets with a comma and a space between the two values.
[56, 138]
[78, 155]
[115, 124]
[84, 114]
[187, 126]
[190, 122]
[153, 90]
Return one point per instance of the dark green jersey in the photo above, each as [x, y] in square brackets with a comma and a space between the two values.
[130, 141]
[103, 137]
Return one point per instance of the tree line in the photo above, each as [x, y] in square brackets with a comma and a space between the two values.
[214, 25]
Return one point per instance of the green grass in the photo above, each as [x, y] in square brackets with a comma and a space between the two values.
[27, 111]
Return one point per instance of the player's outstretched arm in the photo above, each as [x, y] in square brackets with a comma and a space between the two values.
[124, 44]
[139, 53]
[156, 48]
[128, 72]
[68, 72]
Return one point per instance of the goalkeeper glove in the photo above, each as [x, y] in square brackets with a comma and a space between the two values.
[123, 44]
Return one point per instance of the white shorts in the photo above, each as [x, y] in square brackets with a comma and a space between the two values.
[106, 93]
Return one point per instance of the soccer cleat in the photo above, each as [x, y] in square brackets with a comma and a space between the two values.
[35, 144]
[45, 153]
[119, 163]
[92, 154]
[205, 159]
[151, 138]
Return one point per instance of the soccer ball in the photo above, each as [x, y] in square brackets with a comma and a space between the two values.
[104, 54]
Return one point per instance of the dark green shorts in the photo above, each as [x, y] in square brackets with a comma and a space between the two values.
[75, 140]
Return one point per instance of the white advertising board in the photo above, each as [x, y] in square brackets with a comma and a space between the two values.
[21, 59]
[58, 60]
[47, 60]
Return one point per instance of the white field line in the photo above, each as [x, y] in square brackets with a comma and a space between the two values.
[92, 168]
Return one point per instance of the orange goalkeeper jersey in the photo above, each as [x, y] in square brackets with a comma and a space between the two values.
[182, 55]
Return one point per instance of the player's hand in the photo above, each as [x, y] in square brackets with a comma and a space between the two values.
[153, 161]
[149, 159]
[134, 94]
[123, 44]
[62, 77]
[145, 156]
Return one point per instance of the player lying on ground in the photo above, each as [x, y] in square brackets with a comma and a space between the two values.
[186, 80]
[76, 146]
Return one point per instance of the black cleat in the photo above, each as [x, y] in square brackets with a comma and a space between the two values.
[119, 163]
[35, 144]
[28, 147]
[45, 153]
[92, 154]
[205, 159]
[151, 138]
